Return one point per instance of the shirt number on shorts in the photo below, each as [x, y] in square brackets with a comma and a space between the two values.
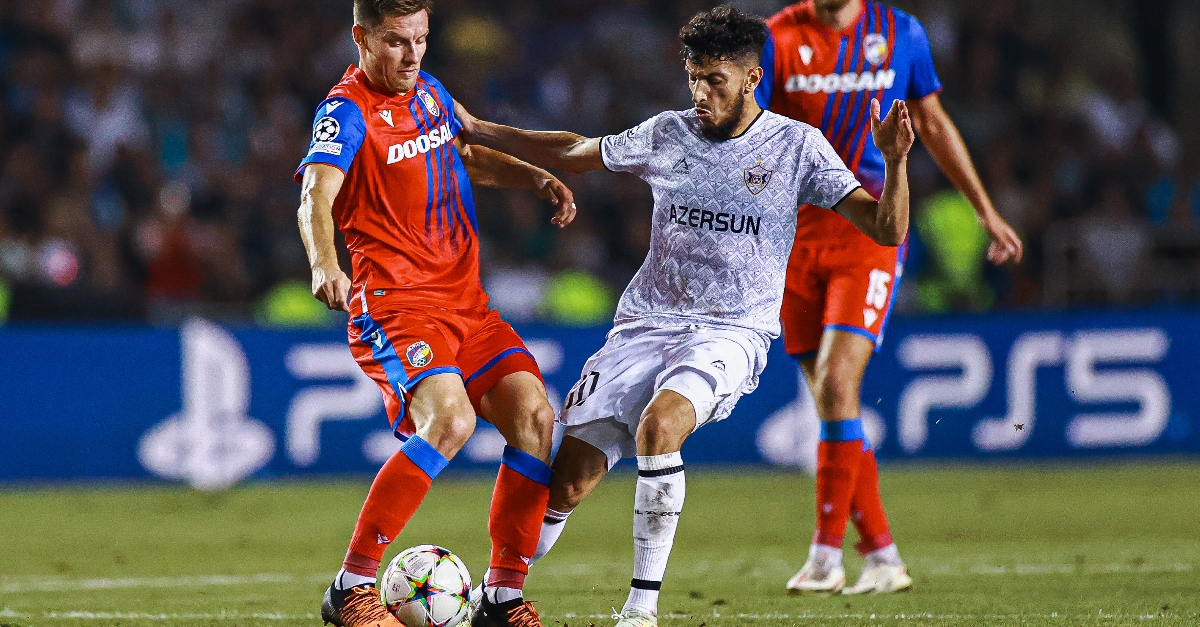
[583, 389]
[877, 291]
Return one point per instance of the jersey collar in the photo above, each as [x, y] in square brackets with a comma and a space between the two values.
[845, 32]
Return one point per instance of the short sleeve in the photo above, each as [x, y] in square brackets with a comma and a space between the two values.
[766, 88]
[338, 132]
[923, 78]
[824, 178]
[630, 151]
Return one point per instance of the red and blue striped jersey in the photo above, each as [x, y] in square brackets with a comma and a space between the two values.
[827, 79]
[406, 207]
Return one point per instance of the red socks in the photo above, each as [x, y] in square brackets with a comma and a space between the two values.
[515, 520]
[837, 473]
[866, 508]
[395, 495]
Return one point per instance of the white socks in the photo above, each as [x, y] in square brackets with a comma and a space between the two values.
[656, 507]
[344, 580]
[552, 527]
[825, 557]
[888, 555]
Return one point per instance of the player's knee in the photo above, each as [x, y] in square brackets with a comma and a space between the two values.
[661, 432]
[533, 427]
[452, 427]
[837, 391]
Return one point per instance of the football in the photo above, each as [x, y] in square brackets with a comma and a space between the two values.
[427, 586]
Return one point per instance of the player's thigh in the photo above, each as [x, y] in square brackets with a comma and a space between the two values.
[712, 368]
[618, 381]
[578, 467]
[490, 354]
[402, 351]
[837, 373]
[861, 289]
[517, 406]
[802, 314]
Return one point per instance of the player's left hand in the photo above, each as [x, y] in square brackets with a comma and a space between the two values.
[548, 187]
[1006, 244]
[894, 134]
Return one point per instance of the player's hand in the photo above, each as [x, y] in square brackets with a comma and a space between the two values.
[548, 187]
[894, 134]
[332, 287]
[1006, 244]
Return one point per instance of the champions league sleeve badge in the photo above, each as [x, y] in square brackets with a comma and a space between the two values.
[326, 129]
[757, 177]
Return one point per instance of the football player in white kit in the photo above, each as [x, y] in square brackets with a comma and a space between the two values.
[692, 329]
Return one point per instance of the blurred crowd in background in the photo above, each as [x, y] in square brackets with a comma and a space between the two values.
[147, 149]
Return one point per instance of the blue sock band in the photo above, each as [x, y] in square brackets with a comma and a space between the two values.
[423, 454]
[526, 465]
[842, 431]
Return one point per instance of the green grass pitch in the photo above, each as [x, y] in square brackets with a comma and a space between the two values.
[987, 545]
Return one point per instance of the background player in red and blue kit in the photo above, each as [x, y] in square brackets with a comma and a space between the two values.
[825, 61]
[385, 166]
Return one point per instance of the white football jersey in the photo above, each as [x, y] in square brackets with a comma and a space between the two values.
[724, 216]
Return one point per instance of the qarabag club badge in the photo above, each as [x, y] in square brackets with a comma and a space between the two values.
[757, 178]
[419, 354]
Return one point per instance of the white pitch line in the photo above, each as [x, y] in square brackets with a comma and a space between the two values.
[13, 585]
[61, 584]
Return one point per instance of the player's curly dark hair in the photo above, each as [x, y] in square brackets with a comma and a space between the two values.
[370, 13]
[723, 33]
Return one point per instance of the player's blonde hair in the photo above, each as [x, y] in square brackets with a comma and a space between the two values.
[370, 13]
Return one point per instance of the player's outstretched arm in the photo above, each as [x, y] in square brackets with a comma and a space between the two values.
[318, 189]
[885, 220]
[946, 146]
[490, 168]
[549, 149]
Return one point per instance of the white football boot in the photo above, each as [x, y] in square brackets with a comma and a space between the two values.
[822, 573]
[474, 600]
[881, 579]
[632, 617]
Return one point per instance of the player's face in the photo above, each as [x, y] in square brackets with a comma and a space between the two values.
[391, 53]
[719, 91]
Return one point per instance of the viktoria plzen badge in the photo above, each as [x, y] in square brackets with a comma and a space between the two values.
[419, 354]
[757, 177]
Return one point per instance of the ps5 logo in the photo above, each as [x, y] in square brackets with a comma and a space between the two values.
[211, 443]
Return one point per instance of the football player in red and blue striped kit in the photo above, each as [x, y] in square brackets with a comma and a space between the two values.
[823, 64]
[385, 168]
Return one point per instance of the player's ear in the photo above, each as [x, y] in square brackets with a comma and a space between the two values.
[753, 78]
[360, 35]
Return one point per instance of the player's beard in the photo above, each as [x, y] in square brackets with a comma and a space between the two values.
[724, 131]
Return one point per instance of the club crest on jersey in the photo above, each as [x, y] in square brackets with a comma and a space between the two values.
[326, 130]
[875, 48]
[419, 354]
[431, 105]
[757, 178]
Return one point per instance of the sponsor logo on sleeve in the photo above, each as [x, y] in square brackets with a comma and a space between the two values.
[331, 148]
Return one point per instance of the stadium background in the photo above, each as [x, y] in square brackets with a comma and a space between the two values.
[156, 323]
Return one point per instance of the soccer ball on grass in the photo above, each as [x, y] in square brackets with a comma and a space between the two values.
[427, 586]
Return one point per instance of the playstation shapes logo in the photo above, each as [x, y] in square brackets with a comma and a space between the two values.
[757, 177]
[419, 354]
[211, 442]
[875, 48]
[431, 105]
[326, 130]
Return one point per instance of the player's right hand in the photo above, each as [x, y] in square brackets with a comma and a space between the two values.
[548, 187]
[332, 287]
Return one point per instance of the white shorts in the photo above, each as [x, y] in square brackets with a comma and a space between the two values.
[711, 367]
